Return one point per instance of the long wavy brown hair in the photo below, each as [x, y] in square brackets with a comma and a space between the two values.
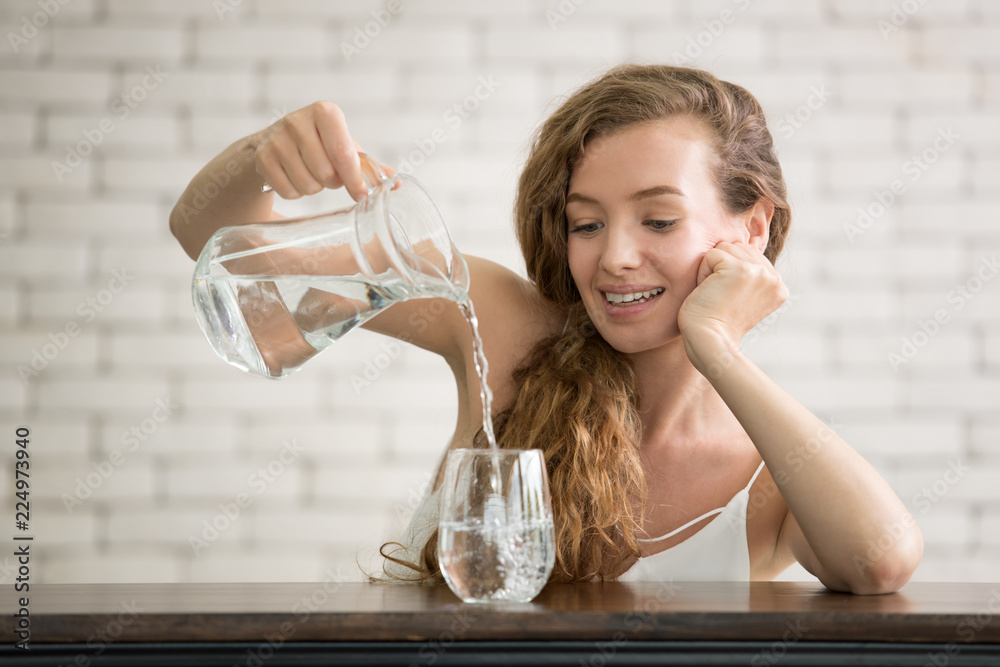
[576, 396]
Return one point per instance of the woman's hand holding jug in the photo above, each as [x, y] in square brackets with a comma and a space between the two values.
[308, 150]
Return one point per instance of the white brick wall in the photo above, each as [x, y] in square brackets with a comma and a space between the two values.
[366, 455]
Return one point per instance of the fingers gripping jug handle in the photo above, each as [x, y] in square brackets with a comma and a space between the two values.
[371, 171]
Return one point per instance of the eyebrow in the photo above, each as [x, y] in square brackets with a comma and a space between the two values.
[654, 191]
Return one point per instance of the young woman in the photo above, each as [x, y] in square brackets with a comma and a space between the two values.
[649, 212]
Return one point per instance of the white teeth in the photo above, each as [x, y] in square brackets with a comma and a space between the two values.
[635, 296]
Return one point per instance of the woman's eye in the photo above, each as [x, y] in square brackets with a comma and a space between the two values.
[661, 224]
[586, 228]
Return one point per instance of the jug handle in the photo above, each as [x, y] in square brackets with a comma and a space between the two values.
[369, 169]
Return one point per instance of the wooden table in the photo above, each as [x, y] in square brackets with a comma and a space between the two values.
[758, 623]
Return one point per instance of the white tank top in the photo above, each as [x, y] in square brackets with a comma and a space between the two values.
[717, 552]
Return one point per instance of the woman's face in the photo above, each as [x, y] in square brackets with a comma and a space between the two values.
[642, 210]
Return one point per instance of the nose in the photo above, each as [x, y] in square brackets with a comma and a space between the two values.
[622, 250]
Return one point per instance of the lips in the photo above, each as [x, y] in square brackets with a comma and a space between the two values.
[619, 299]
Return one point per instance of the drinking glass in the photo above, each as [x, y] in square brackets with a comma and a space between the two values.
[496, 539]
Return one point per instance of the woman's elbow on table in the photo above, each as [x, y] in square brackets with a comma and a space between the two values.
[892, 569]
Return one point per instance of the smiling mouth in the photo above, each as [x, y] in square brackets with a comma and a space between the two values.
[622, 300]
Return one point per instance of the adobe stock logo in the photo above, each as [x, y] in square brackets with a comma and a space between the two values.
[958, 296]
[696, 45]
[913, 169]
[818, 96]
[130, 440]
[230, 511]
[898, 17]
[453, 116]
[59, 340]
[223, 7]
[562, 13]
[122, 107]
[29, 28]
[363, 35]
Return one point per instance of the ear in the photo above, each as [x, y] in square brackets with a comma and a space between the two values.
[758, 224]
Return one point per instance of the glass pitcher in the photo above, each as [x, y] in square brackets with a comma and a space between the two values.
[270, 296]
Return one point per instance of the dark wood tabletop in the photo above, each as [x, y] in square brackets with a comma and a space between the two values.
[651, 623]
[331, 611]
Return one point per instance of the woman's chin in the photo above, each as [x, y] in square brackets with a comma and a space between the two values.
[635, 344]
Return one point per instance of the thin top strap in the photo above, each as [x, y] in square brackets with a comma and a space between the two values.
[752, 479]
[687, 525]
[703, 516]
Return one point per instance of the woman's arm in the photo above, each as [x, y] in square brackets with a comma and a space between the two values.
[300, 154]
[845, 524]
[227, 191]
[304, 152]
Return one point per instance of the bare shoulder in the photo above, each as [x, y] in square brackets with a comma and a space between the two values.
[511, 313]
